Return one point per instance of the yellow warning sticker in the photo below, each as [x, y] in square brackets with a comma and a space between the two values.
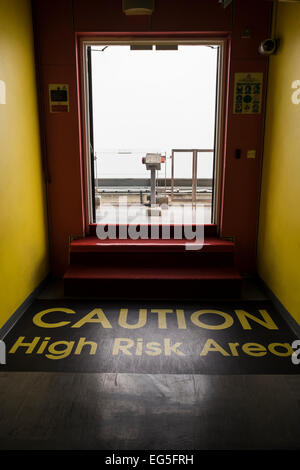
[247, 93]
[59, 98]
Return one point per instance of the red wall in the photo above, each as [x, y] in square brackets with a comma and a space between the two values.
[59, 23]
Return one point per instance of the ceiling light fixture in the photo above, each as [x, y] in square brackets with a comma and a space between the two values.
[138, 7]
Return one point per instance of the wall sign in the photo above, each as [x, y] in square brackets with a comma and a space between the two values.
[59, 98]
[247, 93]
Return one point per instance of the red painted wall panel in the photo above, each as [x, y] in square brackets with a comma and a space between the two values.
[241, 177]
[59, 22]
[55, 32]
[171, 15]
[64, 166]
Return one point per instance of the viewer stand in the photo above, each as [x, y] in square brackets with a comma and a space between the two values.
[153, 163]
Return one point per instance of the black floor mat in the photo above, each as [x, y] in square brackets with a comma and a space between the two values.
[242, 337]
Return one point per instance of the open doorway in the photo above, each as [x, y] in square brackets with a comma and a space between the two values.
[152, 114]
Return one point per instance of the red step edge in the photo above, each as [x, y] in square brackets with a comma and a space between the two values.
[154, 273]
[93, 244]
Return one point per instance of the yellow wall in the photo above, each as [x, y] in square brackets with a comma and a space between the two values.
[279, 227]
[23, 227]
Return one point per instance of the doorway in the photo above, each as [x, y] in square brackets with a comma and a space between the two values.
[159, 103]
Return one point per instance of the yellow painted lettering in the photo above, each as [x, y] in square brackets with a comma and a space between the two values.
[181, 319]
[38, 318]
[212, 346]
[153, 349]
[141, 321]
[254, 349]
[82, 342]
[162, 317]
[119, 347]
[95, 316]
[59, 353]
[233, 348]
[43, 345]
[139, 347]
[286, 346]
[265, 321]
[227, 320]
[30, 346]
[174, 348]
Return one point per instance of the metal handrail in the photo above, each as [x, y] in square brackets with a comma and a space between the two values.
[194, 169]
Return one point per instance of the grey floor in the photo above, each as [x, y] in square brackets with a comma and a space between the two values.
[140, 411]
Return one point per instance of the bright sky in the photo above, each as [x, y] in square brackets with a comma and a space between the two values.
[153, 101]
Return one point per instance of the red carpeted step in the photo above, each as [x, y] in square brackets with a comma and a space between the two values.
[173, 253]
[154, 259]
[159, 272]
[93, 244]
[157, 268]
[156, 282]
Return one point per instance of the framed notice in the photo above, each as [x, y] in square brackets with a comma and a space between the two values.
[59, 98]
[247, 93]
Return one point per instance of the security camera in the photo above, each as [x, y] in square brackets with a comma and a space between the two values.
[268, 46]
